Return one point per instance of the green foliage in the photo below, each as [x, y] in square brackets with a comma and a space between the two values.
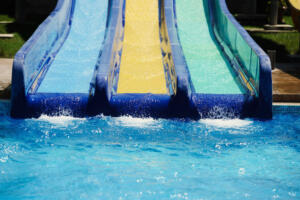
[288, 20]
[285, 44]
[4, 17]
[2, 28]
[10, 46]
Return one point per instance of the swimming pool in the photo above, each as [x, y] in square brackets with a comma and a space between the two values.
[130, 158]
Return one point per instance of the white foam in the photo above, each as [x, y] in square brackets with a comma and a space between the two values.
[129, 121]
[4, 159]
[59, 120]
[226, 123]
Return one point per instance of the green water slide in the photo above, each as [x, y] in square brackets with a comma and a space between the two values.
[210, 72]
[227, 70]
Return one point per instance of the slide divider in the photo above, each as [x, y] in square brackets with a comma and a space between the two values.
[107, 101]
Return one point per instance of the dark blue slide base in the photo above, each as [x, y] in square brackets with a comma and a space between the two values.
[54, 104]
[224, 106]
[140, 105]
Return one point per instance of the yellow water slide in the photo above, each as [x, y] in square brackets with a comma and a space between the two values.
[295, 4]
[141, 69]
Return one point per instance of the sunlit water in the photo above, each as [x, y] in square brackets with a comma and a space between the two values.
[129, 158]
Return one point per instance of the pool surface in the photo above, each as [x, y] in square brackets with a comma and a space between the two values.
[131, 158]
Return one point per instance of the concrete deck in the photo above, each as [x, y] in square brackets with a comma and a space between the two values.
[5, 77]
[286, 82]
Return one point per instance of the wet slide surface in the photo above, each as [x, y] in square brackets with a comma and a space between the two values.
[73, 67]
[141, 69]
[209, 70]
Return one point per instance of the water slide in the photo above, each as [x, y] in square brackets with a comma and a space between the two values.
[141, 69]
[136, 73]
[215, 82]
[211, 65]
[53, 70]
[229, 73]
[76, 59]
[165, 58]
[210, 70]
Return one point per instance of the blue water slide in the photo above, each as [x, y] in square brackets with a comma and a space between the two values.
[71, 66]
[53, 71]
[224, 71]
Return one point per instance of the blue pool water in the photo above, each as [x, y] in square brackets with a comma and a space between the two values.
[129, 158]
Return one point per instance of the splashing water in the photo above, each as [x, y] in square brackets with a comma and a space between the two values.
[226, 123]
[130, 158]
